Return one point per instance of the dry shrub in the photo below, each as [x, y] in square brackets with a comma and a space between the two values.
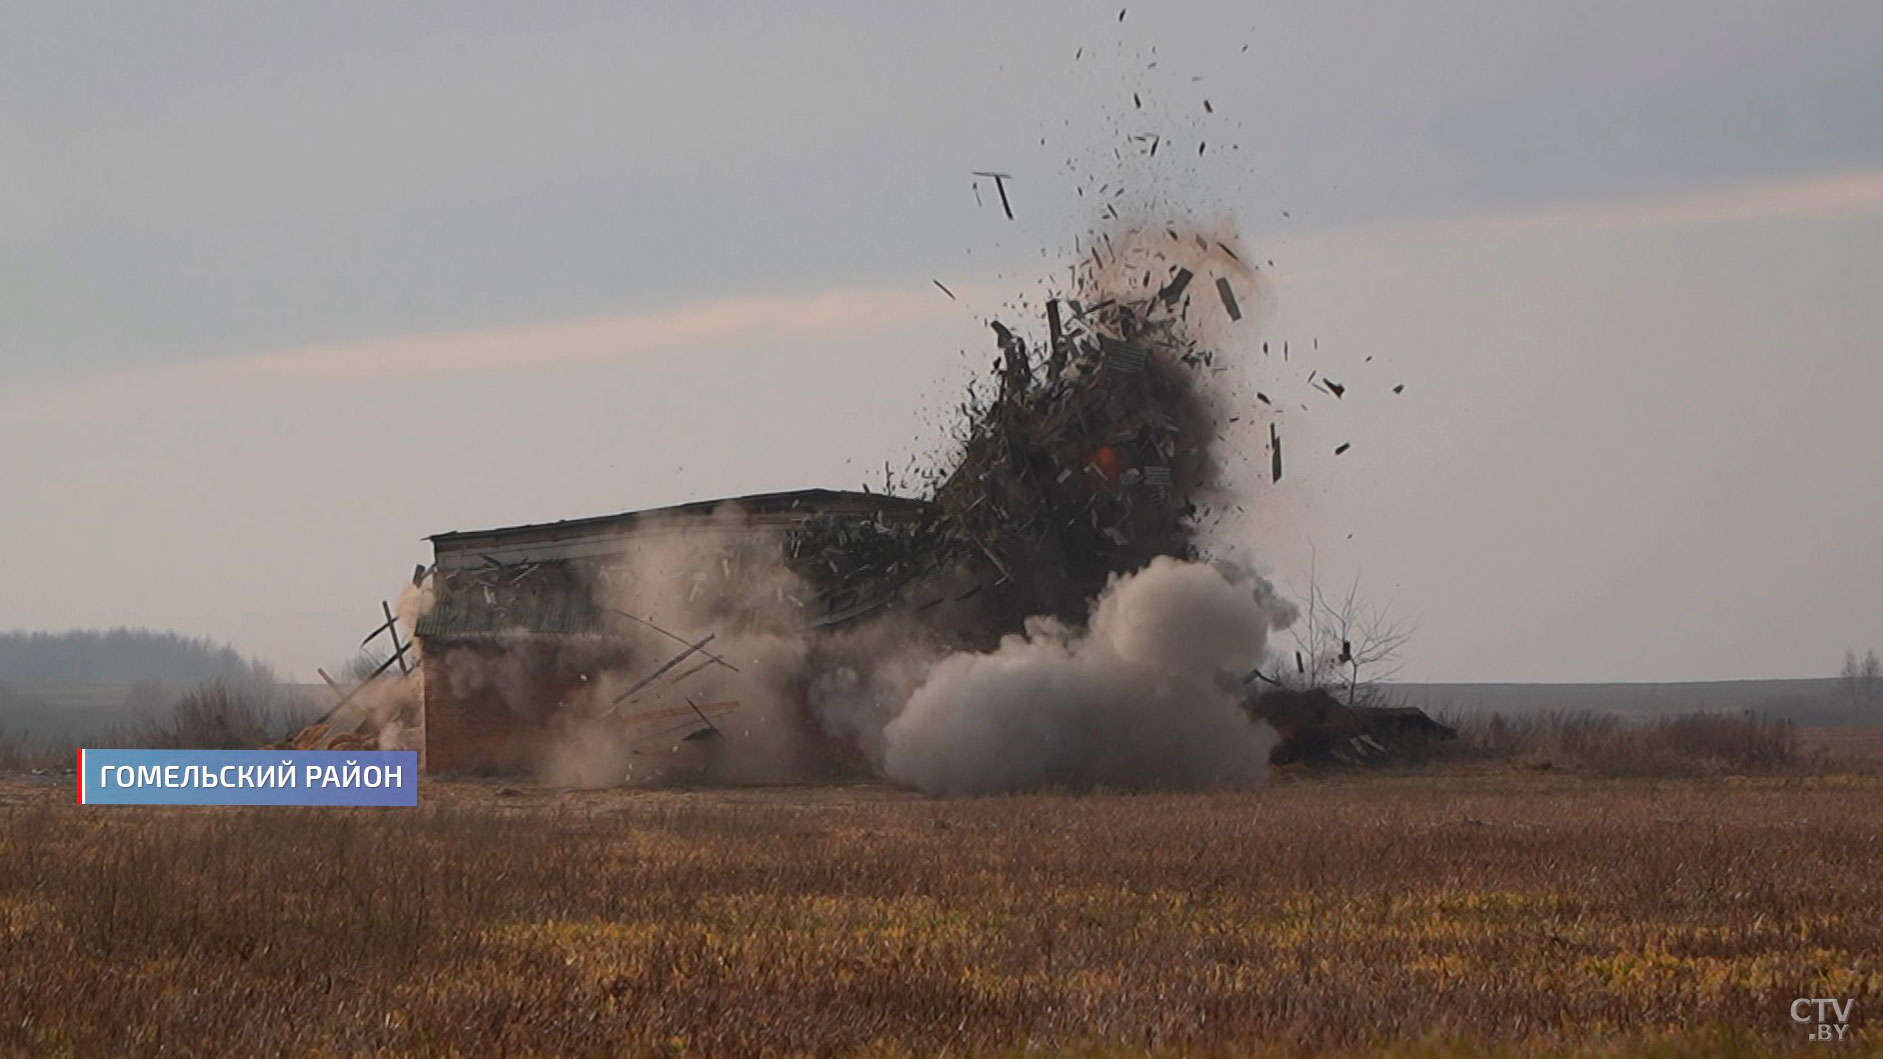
[217, 716]
[20, 752]
[1745, 742]
[16, 754]
[1604, 744]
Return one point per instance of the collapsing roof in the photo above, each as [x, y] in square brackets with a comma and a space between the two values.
[782, 509]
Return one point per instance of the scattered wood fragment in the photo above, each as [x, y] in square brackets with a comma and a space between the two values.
[1229, 298]
[1000, 185]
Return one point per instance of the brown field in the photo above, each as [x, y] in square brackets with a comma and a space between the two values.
[1493, 911]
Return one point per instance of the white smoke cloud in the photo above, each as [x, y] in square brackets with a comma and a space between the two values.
[725, 575]
[1147, 697]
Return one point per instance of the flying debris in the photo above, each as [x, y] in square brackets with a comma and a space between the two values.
[1229, 298]
[1000, 185]
[1085, 469]
[1174, 289]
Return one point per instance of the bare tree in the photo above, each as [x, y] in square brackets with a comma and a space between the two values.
[1863, 680]
[1345, 644]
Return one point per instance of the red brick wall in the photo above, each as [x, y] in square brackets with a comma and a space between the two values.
[497, 707]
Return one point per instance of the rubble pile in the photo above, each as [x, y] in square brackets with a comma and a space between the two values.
[1317, 729]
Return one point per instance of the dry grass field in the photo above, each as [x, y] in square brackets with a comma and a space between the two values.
[1488, 911]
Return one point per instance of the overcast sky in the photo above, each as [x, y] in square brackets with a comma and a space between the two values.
[286, 287]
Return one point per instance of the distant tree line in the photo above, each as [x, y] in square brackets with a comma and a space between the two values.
[124, 656]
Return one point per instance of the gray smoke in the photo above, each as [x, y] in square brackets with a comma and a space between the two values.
[1147, 697]
[727, 576]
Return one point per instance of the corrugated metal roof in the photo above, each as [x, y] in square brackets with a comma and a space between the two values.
[808, 501]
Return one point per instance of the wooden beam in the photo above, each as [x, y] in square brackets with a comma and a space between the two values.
[656, 674]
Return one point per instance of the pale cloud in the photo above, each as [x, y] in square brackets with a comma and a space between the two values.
[732, 324]
[1805, 198]
[721, 325]
[1826, 196]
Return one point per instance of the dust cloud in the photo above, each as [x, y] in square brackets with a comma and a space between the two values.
[1147, 696]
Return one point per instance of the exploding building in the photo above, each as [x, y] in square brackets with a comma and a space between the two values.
[1096, 452]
